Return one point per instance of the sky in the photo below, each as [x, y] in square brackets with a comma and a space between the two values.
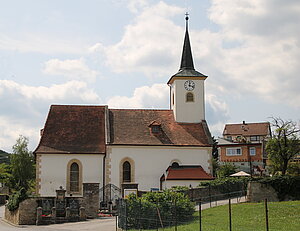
[121, 53]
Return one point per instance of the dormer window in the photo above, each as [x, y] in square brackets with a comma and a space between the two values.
[155, 127]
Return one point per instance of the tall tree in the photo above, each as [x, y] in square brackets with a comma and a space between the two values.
[22, 165]
[284, 144]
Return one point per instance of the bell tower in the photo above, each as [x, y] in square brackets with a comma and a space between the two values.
[187, 87]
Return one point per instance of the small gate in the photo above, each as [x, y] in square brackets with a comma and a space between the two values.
[109, 194]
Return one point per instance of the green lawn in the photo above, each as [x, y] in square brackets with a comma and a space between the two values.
[283, 216]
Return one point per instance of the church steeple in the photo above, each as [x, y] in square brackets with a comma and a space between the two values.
[187, 64]
[187, 87]
[187, 57]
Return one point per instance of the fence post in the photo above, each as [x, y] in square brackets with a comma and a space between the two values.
[139, 214]
[116, 222]
[175, 215]
[200, 218]
[229, 207]
[267, 214]
[209, 195]
[125, 214]
[157, 215]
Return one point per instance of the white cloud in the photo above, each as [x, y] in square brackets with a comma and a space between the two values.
[217, 111]
[24, 108]
[155, 96]
[149, 44]
[42, 44]
[256, 51]
[70, 68]
[136, 5]
[10, 129]
[264, 59]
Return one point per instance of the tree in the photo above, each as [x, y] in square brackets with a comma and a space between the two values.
[22, 165]
[215, 152]
[226, 170]
[4, 173]
[215, 155]
[284, 144]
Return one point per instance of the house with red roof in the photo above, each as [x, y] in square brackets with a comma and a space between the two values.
[243, 145]
[84, 148]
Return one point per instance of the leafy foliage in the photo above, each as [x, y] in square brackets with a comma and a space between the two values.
[4, 157]
[226, 170]
[20, 174]
[283, 145]
[294, 169]
[4, 173]
[285, 186]
[155, 207]
[22, 165]
[228, 184]
[16, 198]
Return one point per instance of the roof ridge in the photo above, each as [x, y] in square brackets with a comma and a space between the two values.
[76, 105]
[246, 123]
[137, 109]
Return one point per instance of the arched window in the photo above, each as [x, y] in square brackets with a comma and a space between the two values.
[175, 165]
[74, 177]
[189, 97]
[126, 172]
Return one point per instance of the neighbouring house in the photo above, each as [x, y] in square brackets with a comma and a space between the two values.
[244, 146]
[85, 148]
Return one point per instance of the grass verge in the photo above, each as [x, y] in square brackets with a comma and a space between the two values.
[247, 217]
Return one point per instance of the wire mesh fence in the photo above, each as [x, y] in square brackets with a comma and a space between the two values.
[230, 216]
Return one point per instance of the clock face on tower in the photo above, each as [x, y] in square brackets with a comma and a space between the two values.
[189, 85]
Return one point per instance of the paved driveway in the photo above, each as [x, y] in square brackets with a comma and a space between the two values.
[104, 224]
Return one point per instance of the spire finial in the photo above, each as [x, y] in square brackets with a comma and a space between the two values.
[187, 58]
[186, 20]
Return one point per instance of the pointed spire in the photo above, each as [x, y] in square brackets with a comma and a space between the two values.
[187, 65]
[187, 57]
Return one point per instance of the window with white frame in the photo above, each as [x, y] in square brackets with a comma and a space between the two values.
[252, 151]
[254, 138]
[233, 151]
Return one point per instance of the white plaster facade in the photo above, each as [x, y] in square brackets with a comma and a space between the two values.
[151, 162]
[53, 171]
[188, 112]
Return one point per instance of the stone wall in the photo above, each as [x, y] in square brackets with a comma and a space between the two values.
[258, 192]
[90, 199]
[24, 215]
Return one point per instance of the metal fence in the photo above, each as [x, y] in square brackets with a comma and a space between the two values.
[269, 216]
[169, 216]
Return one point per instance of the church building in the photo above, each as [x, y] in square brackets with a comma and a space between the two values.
[84, 147]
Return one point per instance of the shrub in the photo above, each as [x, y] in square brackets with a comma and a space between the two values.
[226, 170]
[228, 184]
[15, 199]
[287, 187]
[148, 211]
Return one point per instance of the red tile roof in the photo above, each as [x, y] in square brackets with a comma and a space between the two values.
[74, 129]
[247, 129]
[188, 173]
[81, 129]
[131, 127]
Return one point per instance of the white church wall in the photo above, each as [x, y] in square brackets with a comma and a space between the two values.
[150, 163]
[53, 171]
[188, 183]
